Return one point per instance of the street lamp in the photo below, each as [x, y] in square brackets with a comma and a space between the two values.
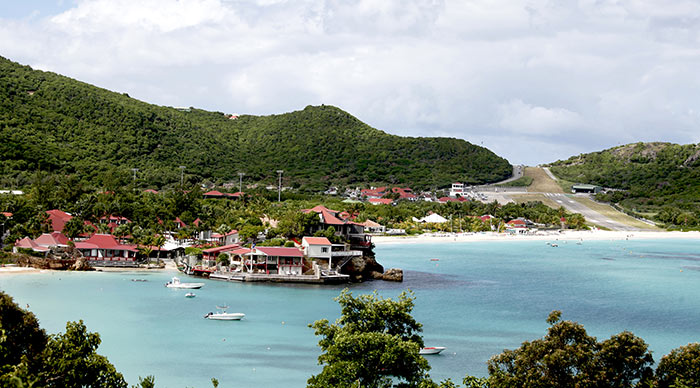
[279, 186]
[240, 181]
[182, 176]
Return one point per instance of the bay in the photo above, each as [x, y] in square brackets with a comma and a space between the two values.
[476, 299]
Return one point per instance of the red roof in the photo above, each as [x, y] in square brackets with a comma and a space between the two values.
[30, 244]
[279, 251]
[58, 219]
[516, 222]
[486, 217]
[151, 191]
[447, 199]
[6, 214]
[317, 240]
[224, 248]
[51, 239]
[381, 201]
[103, 241]
[197, 221]
[180, 223]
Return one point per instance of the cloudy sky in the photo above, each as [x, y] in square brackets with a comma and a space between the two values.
[532, 80]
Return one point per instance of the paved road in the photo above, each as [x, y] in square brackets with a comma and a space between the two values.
[517, 173]
[590, 214]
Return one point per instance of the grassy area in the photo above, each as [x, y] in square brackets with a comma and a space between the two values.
[541, 182]
[613, 214]
[522, 198]
[523, 181]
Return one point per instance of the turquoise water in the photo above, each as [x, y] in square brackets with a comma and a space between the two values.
[478, 299]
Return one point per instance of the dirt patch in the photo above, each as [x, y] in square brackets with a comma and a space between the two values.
[541, 182]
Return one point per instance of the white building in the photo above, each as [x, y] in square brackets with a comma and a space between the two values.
[457, 189]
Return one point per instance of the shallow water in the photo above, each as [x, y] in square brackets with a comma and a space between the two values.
[477, 299]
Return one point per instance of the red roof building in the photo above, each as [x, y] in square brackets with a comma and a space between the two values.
[58, 219]
[104, 248]
[6, 214]
[54, 239]
[344, 227]
[276, 260]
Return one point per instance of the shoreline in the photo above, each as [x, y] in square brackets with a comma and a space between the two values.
[10, 270]
[573, 235]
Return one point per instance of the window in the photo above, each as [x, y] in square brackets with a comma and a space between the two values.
[324, 250]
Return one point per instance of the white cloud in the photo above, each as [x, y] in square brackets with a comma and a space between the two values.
[517, 75]
[519, 117]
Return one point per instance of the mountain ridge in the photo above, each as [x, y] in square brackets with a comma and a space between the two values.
[52, 123]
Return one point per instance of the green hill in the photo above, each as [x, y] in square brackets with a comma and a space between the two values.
[55, 124]
[658, 180]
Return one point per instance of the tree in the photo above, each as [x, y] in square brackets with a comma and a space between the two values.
[375, 343]
[22, 342]
[28, 358]
[223, 259]
[70, 360]
[568, 357]
[74, 227]
[680, 368]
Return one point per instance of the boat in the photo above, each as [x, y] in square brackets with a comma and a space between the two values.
[434, 259]
[222, 315]
[175, 283]
[431, 350]
[139, 280]
[190, 295]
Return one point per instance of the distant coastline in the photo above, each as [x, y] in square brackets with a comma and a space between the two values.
[573, 236]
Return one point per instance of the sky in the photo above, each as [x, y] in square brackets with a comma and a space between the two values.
[534, 81]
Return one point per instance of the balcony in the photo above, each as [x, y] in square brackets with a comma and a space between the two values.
[346, 253]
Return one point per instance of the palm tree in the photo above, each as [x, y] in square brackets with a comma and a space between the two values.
[159, 241]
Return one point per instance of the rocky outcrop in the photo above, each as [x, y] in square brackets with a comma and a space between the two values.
[361, 268]
[393, 275]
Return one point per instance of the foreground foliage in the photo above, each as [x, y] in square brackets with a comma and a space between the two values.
[374, 343]
[30, 358]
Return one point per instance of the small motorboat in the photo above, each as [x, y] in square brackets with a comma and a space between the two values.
[222, 315]
[431, 350]
[139, 280]
[190, 295]
[175, 283]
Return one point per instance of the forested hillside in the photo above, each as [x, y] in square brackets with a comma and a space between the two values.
[658, 180]
[63, 127]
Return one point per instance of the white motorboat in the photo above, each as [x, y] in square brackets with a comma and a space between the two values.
[222, 315]
[175, 283]
[190, 295]
[431, 350]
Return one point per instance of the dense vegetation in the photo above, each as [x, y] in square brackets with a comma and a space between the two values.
[657, 180]
[55, 124]
[152, 213]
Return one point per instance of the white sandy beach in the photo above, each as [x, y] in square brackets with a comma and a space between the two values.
[541, 236]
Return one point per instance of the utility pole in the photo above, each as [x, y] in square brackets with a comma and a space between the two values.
[182, 176]
[240, 181]
[135, 170]
[279, 186]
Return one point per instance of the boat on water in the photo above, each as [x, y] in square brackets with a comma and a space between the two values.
[431, 350]
[223, 315]
[176, 283]
[190, 295]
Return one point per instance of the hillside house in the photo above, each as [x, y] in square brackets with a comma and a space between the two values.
[349, 230]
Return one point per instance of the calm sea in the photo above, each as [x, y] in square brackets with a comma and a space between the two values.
[477, 299]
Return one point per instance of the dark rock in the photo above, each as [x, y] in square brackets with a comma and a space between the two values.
[393, 275]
